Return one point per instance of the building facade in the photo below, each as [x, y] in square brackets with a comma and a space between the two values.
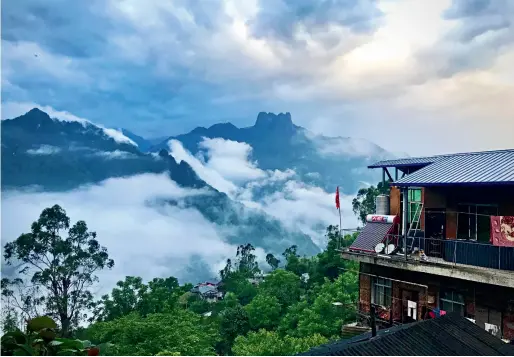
[443, 242]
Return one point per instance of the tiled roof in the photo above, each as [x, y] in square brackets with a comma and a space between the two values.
[449, 335]
[372, 234]
[489, 167]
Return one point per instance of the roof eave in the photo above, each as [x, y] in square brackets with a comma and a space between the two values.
[446, 184]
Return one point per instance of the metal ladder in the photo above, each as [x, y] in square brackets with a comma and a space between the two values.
[415, 224]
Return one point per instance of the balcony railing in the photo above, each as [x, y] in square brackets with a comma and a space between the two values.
[456, 251]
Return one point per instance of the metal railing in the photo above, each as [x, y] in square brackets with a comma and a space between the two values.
[456, 251]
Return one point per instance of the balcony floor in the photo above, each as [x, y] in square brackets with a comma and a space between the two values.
[436, 266]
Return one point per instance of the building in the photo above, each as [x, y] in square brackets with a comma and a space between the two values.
[441, 241]
[449, 335]
[207, 291]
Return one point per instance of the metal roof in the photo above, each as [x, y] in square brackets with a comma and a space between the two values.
[488, 167]
[409, 161]
[426, 160]
[448, 335]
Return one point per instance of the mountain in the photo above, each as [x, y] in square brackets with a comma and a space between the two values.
[61, 155]
[280, 144]
[143, 144]
[58, 155]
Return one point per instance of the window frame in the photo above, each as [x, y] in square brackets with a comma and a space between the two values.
[384, 288]
[453, 300]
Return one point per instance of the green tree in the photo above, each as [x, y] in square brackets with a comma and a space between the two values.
[272, 261]
[364, 203]
[284, 285]
[264, 312]
[334, 305]
[294, 263]
[62, 268]
[270, 343]
[132, 295]
[329, 263]
[181, 332]
[234, 321]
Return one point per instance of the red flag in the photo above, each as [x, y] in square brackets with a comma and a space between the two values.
[338, 206]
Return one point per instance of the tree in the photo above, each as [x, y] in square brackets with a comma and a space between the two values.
[294, 263]
[364, 203]
[181, 331]
[269, 343]
[272, 261]
[264, 312]
[334, 304]
[284, 285]
[234, 321]
[63, 269]
[329, 263]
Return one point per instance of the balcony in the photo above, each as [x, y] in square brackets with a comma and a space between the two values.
[465, 259]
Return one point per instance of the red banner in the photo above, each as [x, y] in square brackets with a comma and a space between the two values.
[502, 231]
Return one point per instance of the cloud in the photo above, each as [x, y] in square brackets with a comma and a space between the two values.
[209, 175]
[44, 150]
[346, 68]
[116, 154]
[231, 159]
[280, 194]
[145, 238]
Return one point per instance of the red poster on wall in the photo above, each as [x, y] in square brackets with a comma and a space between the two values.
[502, 231]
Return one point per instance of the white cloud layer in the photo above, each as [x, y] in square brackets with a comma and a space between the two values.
[143, 237]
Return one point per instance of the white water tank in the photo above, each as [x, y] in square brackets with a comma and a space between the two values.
[382, 204]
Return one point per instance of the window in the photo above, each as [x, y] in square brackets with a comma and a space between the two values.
[474, 221]
[382, 292]
[452, 301]
[414, 204]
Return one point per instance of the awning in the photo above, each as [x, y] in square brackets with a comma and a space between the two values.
[372, 234]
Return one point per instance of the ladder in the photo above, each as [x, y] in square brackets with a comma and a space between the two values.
[415, 227]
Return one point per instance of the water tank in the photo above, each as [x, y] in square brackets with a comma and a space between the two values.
[382, 204]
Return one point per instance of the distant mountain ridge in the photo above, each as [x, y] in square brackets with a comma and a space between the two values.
[57, 155]
[278, 143]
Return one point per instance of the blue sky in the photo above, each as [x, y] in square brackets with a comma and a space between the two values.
[414, 76]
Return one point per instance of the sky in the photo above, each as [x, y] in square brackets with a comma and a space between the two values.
[421, 77]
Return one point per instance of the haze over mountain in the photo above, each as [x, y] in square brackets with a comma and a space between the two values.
[248, 184]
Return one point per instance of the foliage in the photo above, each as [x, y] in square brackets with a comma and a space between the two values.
[181, 331]
[364, 203]
[132, 295]
[60, 270]
[334, 305]
[269, 343]
[272, 261]
[264, 312]
[234, 321]
[283, 285]
[40, 340]
[295, 263]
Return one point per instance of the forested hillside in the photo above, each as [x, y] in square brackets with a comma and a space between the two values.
[300, 302]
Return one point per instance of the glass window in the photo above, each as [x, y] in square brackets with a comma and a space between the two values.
[382, 292]
[414, 204]
[452, 301]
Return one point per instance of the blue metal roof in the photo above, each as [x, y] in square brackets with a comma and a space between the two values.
[426, 160]
[408, 161]
[488, 167]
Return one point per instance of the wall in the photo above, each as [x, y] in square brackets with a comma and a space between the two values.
[394, 201]
[499, 299]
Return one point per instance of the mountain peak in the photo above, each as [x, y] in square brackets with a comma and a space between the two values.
[272, 120]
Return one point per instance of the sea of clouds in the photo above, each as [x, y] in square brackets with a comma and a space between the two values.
[148, 239]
